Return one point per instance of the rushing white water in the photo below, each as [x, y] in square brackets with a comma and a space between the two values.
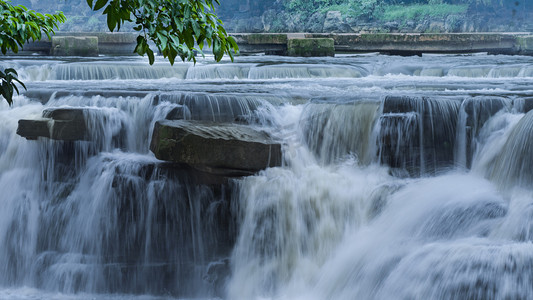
[402, 178]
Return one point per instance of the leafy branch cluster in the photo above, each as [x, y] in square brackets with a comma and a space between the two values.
[17, 26]
[178, 28]
[175, 26]
[8, 78]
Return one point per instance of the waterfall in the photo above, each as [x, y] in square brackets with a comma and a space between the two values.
[336, 131]
[473, 115]
[417, 134]
[510, 166]
[399, 178]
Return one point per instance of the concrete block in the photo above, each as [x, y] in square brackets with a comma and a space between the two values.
[309, 47]
[74, 46]
[524, 45]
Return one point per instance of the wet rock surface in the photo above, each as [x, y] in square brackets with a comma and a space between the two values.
[423, 133]
[216, 148]
[58, 124]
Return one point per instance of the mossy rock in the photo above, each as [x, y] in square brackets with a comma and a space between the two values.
[309, 47]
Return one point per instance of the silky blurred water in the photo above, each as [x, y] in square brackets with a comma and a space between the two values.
[402, 178]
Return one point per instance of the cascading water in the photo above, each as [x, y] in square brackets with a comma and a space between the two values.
[402, 178]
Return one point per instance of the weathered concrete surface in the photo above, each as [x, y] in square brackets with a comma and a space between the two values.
[309, 47]
[116, 43]
[392, 43]
[113, 43]
[217, 148]
[413, 43]
[74, 46]
[270, 43]
[399, 43]
[525, 44]
[261, 38]
[67, 124]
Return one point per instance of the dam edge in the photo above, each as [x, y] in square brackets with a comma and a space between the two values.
[304, 44]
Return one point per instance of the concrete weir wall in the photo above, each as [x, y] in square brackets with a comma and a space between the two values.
[392, 43]
[74, 46]
[85, 44]
[307, 44]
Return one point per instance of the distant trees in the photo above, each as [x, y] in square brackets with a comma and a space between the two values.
[314, 4]
[374, 9]
[247, 7]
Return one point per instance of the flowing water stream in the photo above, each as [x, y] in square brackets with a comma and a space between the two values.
[402, 178]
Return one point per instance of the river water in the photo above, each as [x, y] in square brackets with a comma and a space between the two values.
[402, 178]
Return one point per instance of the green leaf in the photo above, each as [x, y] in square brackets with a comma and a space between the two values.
[140, 48]
[151, 57]
[233, 44]
[99, 4]
[217, 49]
[196, 28]
[188, 38]
[163, 40]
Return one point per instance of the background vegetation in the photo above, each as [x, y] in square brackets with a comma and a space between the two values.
[302, 15]
[398, 9]
[373, 15]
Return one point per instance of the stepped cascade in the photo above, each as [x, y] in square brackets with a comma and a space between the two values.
[349, 177]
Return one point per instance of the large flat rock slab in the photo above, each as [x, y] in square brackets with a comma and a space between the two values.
[224, 148]
[66, 124]
[56, 130]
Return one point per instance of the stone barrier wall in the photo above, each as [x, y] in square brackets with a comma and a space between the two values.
[318, 44]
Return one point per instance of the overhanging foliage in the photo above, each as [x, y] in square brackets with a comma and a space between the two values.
[175, 26]
[17, 26]
[178, 28]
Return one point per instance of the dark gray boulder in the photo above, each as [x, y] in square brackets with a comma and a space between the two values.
[66, 124]
[219, 148]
